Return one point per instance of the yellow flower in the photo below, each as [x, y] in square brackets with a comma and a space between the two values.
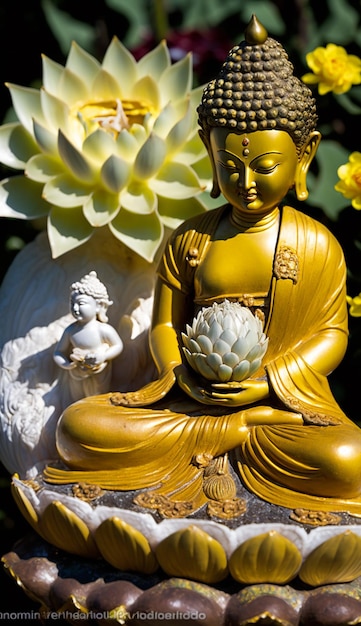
[355, 305]
[110, 145]
[333, 69]
[350, 180]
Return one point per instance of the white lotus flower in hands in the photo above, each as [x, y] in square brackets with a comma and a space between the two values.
[106, 145]
[225, 343]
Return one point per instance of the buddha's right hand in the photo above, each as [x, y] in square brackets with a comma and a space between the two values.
[150, 393]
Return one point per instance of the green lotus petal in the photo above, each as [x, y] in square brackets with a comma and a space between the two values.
[142, 234]
[139, 199]
[195, 98]
[127, 144]
[67, 229]
[179, 133]
[146, 89]
[82, 63]
[16, 145]
[45, 139]
[41, 168]
[66, 192]
[74, 159]
[150, 157]
[119, 62]
[99, 146]
[176, 81]
[27, 105]
[174, 212]
[105, 87]
[155, 62]
[175, 180]
[52, 73]
[22, 198]
[115, 173]
[56, 111]
[72, 89]
[101, 207]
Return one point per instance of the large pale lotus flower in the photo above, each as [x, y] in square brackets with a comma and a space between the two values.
[225, 343]
[112, 144]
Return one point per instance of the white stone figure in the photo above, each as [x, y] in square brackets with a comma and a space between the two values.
[87, 346]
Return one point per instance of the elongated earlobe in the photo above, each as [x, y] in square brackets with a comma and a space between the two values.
[216, 192]
[304, 163]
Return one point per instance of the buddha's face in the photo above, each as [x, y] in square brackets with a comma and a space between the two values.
[254, 170]
[83, 307]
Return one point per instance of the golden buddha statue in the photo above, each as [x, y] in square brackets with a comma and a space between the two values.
[285, 435]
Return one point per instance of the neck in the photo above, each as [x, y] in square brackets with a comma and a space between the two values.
[253, 223]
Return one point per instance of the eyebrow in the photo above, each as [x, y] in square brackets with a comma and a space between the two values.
[238, 157]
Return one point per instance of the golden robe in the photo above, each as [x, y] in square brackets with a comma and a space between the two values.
[315, 464]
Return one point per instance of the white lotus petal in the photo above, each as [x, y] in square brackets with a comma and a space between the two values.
[179, 133]
[189, 357]
[214, 360]
[45, 139]
[115, 173]
[175, 180]
[65, 191]
[74, 159]
[99, 146]
[231, 359]
[254, 366]
[105, 87]
[56, 111]
[127, 144]
[229, 336]
[139, 199]
[149, 158]
[141, 233]
[224, 373]
[176, 81]
[202, 367]
[165, 120]
[241, 371]
[193, 345]
[72, 89]
[27, 105]
[185, 340]
[241, 347]
[100, 208]
[205, 344]
[82, 63]
[66, 234]
[119, 62]
[41, 168]
[221, 347]
[254, 353]
[155, 62]
[52, 72]
[215, 330]
[21, 198]
[147, 90]
[16, 145]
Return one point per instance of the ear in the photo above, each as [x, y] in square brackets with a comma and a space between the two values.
[206, 140]
[304, 163]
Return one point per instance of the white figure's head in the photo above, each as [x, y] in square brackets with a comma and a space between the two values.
[89, 298]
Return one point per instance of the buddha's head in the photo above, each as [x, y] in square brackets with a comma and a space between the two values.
[89, 298]
[258, 123]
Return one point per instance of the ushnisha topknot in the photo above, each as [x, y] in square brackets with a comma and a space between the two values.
[257, 90]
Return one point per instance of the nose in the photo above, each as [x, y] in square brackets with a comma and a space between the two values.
[246, 178]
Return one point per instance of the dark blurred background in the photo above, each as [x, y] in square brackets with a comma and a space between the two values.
[207, 28]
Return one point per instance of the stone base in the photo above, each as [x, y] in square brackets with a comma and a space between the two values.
[75, 588]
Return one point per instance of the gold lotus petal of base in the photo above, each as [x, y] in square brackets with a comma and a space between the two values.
[192, 553]
[25, 506]
[337, 560]
[125, 547]
[65, 530]
[266, 558]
